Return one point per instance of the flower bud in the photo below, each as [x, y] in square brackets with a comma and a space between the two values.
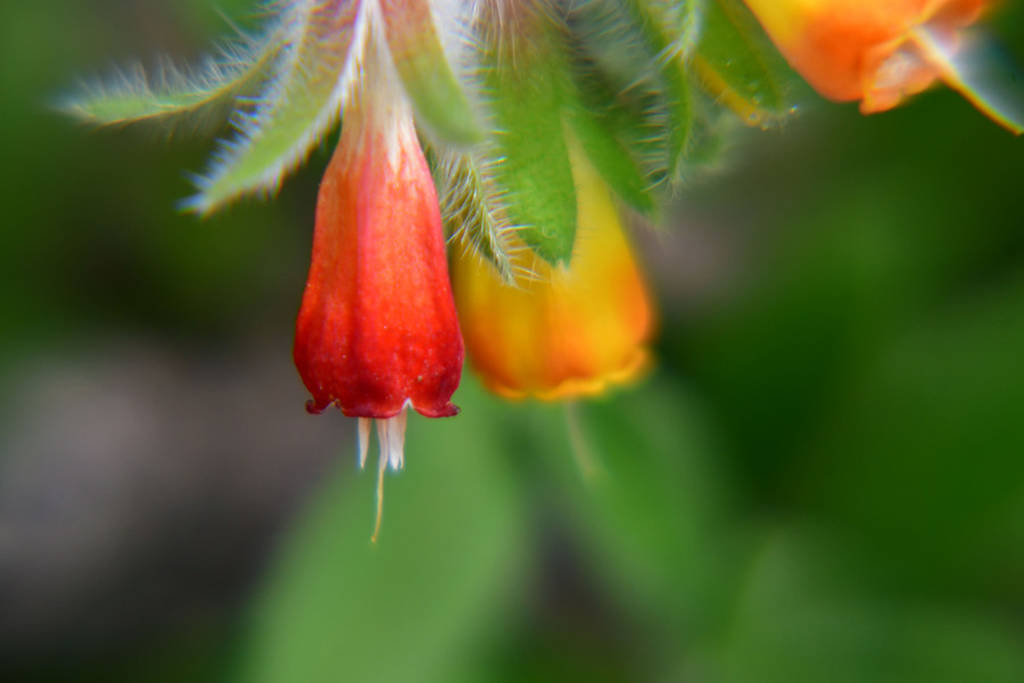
[560, 332]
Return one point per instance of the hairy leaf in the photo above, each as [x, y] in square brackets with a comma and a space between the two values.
[208, 92]
[606, 126]
[525, 78]
[302, 102]
[666, 32]
[737, 64]
[638, 83]
[608, 152]
[473, 207]
[677, 22]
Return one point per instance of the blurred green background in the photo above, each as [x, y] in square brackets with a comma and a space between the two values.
[823, 480]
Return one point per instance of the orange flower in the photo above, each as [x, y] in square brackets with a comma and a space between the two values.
[875, 51]
[560, 332]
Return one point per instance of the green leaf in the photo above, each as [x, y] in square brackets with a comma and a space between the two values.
[803, 615]
[423, 67]
[605, 127]
[655, 511]
[301, 103]
[525, 78]
[665, 31]
[207, 93]
[926, 443]
[709, 134]
[676, 21]
[337, 608]
[736, 63]
[611, 159]
[637, 48]
[472, 207]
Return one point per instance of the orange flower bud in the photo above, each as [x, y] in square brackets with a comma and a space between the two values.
[875, 51]
[560, 332]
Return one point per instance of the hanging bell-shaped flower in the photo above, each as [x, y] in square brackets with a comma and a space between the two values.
[560, 331]
[377, 332]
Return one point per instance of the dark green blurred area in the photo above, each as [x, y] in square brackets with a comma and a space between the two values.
[823, 480]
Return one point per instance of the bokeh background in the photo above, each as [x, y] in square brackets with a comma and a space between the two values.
[822, 480]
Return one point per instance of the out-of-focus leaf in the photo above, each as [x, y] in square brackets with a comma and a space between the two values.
[525, 79]
[649, 500]
[801, 617]
[737, 64]
[926, 446]
[707, 149]
[665, 31]
[637, 65]
[301, 102]
[207, 93]
[597, 121]
[676, 21]
[408, 608]
[421, 62]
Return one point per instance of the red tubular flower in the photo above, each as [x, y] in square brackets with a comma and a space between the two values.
[377, 331]
[875, 51]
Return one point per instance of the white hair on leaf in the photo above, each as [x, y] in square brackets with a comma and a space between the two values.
[178, 95]
[302, 103]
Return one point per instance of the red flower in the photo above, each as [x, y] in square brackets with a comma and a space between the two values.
[377, 331]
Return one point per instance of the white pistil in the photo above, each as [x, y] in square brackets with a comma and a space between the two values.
[391, 439]
[382, 437]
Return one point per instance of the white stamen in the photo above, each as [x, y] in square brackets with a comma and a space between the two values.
[383, 438]
[364, 440]
[391, 439]
[396, 441]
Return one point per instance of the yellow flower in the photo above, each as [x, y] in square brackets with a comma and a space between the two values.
[560, 332]
[875, 51]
